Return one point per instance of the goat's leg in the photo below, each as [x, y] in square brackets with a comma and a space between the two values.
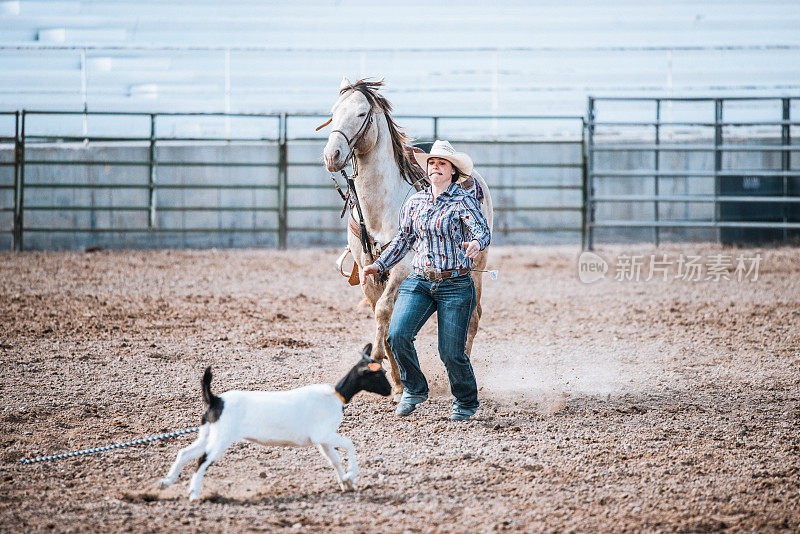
[349, 479]
[213, 452]
[333, 458]
[185, 455]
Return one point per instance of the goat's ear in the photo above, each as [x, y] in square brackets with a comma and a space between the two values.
[368, 367]
[365, 354]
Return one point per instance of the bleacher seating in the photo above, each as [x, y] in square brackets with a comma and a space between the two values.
[474, 58]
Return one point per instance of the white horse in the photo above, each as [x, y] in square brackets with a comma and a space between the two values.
[362, 124]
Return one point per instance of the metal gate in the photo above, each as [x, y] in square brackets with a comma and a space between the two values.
[646, 169]
[692, 168]
[126, 179]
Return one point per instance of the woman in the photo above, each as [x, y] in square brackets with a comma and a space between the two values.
[447, 229]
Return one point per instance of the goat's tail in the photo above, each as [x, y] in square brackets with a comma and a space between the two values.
[214, 403]
[205, 385]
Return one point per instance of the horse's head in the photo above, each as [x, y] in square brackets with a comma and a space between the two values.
[353, 119]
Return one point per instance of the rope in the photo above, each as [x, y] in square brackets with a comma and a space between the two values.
[109, 447]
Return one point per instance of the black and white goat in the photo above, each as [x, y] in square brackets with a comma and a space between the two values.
[303, 417]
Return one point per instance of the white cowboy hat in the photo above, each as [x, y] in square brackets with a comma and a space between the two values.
[444, 150]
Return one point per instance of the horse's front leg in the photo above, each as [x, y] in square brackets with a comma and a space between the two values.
[383, 317]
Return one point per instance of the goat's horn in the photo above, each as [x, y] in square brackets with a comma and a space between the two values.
[321, 126]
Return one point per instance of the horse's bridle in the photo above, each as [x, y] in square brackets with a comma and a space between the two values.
[357, 137]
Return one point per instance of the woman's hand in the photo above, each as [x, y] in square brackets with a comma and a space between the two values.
[473, 247]
[368, 270]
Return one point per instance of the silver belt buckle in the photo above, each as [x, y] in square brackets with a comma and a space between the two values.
[430, 275]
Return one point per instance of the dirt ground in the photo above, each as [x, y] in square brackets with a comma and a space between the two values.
[614, 406]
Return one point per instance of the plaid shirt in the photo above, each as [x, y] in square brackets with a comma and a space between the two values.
[437, 228]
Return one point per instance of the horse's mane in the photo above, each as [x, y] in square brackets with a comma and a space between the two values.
[408, 170]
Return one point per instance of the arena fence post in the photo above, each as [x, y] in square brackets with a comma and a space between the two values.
[656, 236]
[583, 183]
[282, 180]
[717, 165]
[588, 206]
[786, 159]
[152, 174]
[19, 182]
[16, 181]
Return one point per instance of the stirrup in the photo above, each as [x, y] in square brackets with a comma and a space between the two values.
[340, 261]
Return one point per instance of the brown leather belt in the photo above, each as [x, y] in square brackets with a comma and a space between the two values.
[435, 275]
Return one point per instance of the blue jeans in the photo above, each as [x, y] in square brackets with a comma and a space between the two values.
[453, 300]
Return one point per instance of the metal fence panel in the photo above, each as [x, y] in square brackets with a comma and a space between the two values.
[536, 180]
[9, 176]
[145, 180]
[699, 168]
[692, 168]
[148, 180]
